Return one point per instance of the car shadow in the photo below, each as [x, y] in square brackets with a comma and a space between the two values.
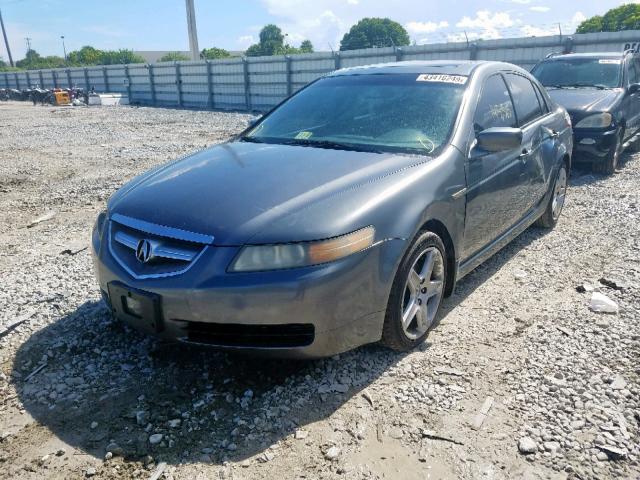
[105, 387]
[582, 173]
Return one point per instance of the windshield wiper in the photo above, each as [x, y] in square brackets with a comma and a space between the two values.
[599, 86]
[252, 139]
[330, 145]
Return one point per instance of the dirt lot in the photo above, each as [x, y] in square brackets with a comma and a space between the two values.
[520, 380]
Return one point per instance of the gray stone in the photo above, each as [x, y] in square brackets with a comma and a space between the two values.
[155, 438]
[332, 453]
[527, 445]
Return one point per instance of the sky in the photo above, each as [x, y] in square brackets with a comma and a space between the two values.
[235, 24]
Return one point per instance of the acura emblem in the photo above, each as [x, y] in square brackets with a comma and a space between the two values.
[144, 251]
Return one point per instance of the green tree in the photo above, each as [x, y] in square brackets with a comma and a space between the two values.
[118, 57]
[271, 43]
[174, 57]
[33, 61]
[624, 17]
[214, 53]
[374, 32]
[306, 47]
[87, 55]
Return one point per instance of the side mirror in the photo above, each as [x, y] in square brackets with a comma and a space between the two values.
[633, 88]
[499, 139]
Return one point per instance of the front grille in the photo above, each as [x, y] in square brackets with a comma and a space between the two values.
[257, 336]
[168, 251]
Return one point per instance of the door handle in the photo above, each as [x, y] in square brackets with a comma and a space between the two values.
[525, 153]
[551, 132]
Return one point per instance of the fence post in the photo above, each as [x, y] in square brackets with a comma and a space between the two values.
[179, 83]
[399, 54]
[106, 79]
[288, 61]
[473, 51]
[336, 60]
[247, 84]
[152, 84]
[17, 81]
[69, 81]
[41, 78]
[211, 99]
[54, 76]
[86, 79]
[128, 80]
[26, 73]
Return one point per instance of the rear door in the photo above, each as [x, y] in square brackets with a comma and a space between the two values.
[532, 120]
[494, 202]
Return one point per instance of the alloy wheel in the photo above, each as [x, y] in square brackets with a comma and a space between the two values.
[559, 193]
[422, 293]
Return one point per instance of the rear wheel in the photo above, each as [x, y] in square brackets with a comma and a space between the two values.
[610, 163]
[558, 195]
[416, 293]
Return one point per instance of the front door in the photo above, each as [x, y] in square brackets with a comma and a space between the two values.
[494, 201]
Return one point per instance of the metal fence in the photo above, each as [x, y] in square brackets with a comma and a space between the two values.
[258, 83]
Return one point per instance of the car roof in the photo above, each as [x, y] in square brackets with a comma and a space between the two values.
[450, 67]
[587, 55]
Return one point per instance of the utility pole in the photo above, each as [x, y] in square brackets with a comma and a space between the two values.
[28, 40]
[6, 42]
[64, 48]
[193, 33]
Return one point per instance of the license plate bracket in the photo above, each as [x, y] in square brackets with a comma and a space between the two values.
[140, 309]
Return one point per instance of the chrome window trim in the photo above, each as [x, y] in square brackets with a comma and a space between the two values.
[162, 230]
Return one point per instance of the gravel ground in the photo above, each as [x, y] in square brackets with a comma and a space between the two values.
[520, 380]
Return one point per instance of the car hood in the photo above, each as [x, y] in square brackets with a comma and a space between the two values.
[235, 190]
[584, 101]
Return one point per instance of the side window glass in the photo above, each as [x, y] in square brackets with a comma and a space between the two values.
[524, 98]
[495, 108]
[634, 71]
[541, 100]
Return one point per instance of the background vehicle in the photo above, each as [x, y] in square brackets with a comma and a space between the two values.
[342, 217]
[601, 92]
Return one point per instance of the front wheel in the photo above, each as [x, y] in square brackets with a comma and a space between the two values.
[416, 293]
[558, 195]
[608, 167]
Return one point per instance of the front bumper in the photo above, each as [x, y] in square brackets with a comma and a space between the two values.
[344, 301]
[593, 145]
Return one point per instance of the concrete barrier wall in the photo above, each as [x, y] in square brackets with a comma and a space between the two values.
[259, 83]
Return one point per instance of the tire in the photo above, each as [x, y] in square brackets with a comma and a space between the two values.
[415, 297]
[550, 217]
[608, 167]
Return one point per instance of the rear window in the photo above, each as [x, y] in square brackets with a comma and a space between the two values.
[580, 72]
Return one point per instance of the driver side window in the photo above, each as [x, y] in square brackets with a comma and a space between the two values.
[495, 108]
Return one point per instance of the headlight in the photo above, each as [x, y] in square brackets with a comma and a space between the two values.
[254, 258]
[599, 120]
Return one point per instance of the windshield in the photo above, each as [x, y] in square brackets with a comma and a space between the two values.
[580, 72]
[376, 112]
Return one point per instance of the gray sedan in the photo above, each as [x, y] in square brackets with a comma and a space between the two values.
[342, 217]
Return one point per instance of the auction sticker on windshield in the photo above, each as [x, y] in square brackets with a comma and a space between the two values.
[442, 78]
